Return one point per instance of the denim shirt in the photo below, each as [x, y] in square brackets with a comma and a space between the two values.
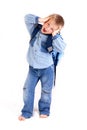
[36, 55]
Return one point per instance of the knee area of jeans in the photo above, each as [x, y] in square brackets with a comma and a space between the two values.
[44, 91]
[47, 89]
[46, 95]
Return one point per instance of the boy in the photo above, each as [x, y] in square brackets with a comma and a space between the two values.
[41, 63]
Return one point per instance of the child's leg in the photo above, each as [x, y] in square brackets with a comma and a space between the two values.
[28, 94]
[47, 79]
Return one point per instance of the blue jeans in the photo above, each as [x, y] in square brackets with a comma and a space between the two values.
[46, 76]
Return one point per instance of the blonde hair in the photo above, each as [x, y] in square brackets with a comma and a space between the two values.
[59, 20]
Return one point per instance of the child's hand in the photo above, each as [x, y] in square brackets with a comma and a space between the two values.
[55, 32]
[43, 20]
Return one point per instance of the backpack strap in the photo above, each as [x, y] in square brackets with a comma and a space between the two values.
[36, 30]
[55, 60]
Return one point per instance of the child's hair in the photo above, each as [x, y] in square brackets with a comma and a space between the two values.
[57, 18]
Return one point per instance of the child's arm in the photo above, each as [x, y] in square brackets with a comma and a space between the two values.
[58, 43]
[31, 21]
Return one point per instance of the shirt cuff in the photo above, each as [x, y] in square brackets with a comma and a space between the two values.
[56, 36]
[36, 19]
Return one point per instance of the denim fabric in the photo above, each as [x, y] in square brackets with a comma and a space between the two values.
[46, 78]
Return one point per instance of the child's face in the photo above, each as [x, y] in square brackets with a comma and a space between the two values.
[49, 27]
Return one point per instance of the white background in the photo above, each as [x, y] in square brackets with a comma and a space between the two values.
[69, 103]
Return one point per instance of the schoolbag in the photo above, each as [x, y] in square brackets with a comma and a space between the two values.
[48, 47]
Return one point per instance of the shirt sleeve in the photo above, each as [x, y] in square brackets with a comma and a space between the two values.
[58, 43]
[31, 21]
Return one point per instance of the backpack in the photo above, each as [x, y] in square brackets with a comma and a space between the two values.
[48, 47]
